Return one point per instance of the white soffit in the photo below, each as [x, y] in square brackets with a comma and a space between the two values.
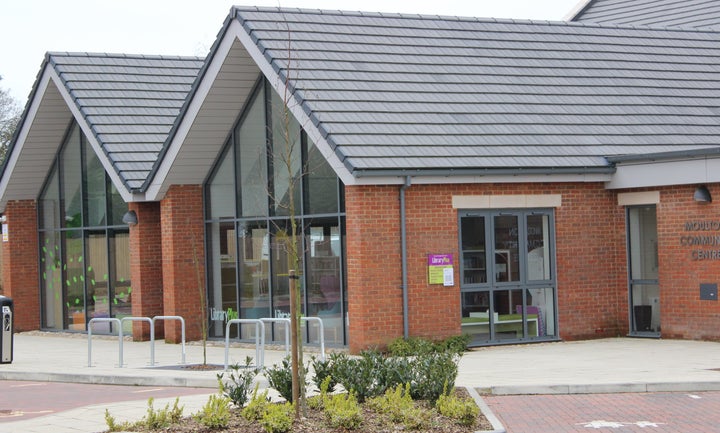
[46, 123]
[576, 10]
[206, 125]
[663, 173]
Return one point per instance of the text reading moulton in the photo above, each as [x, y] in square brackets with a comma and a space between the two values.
[700, 239]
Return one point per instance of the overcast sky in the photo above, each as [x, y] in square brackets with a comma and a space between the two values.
[30, 28]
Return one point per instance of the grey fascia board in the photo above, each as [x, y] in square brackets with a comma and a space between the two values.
[578, 10]
[511, 171]
[698, 153]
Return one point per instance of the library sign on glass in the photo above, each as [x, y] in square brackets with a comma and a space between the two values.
[440, 269]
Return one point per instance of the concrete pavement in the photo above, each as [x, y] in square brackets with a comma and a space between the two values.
[596, 366]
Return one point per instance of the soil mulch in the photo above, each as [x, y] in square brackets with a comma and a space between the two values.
[315, 423]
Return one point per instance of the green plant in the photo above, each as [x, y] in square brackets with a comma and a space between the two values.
[413, 346]
[463, 411]
[323, 369]
[238, 387]
[257, 406]
[343, 411]
[278, 418]
[280, 378]
[394, 403]
[434, 373]
[457, 344]
[416, 418]
[162, 418]
[114, 426]
[366, 376]
[215, 413]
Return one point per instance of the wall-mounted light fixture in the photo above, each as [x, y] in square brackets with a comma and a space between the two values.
[130, 218]
[702, 194]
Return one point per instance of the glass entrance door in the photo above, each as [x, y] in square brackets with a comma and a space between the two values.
[508, 286]
[643, 271]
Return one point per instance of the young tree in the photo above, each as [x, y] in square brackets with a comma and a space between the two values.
[9, 117]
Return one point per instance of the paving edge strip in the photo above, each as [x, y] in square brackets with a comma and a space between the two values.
[609, 388]
[485, 409]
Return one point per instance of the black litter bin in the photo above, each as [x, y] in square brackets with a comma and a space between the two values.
[6, 331]
[643, 318]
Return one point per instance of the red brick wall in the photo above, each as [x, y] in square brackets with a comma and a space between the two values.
[373, 261]
[20, 264]
[183, 262]
[146, 267]
[590, 239]
[682, 313]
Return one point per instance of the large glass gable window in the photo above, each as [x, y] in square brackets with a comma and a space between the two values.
[84, 246]
[269, 170]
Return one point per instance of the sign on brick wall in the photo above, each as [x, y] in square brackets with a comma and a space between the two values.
[703, 237]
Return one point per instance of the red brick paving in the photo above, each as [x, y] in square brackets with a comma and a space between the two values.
[695, 412]
[25, 400]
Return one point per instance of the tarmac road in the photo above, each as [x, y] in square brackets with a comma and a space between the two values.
[26, 400]
[663, 412]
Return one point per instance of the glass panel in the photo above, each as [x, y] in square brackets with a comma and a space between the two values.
[287, 167]
[118, 207]
[74, 279]
[71, 180]
[643, 243]
[506, 248]
[252, 160]
[324, 283]
[645, 307]
[220, 195]
[473, 245]
[121, 289]
[254, 258]
[322, 183]
[475, 317]
[95, 197]
[96, 272]
[280, 247]
[507, 321]
[51, 280]
[539, 312]
[538, 247]
[223, 302]
[49, 205]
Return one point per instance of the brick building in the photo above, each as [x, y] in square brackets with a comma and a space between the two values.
[518, 181]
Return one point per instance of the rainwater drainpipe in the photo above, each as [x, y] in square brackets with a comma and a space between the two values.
[403, 254]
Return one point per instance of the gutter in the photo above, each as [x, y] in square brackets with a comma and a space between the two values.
[404, 259]
[514, 171]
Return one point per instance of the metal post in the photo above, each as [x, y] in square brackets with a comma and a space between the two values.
[321, 332]
[259, 341]
[285, 321]
[152, 333]
[120, 338]
[182, 328]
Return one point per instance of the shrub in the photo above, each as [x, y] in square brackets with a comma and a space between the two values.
[257, 406]
[343, 411]
[393, 403]
[155, 420]
[366, 376]
[463, 411]
[416, 418]
[280, 378]
[215, 413]
[433, 373]
[238, 387]
[278, 418]
[324, 369]
[419, 346]
[114, 426]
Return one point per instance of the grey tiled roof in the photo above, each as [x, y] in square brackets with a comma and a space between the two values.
[130, 102]
[406, 92]
[680, 13]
